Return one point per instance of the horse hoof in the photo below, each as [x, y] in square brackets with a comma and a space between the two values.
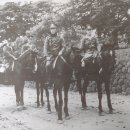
[60, 121]
[21, 103]
[43, 104]
[38, 105]
[19, 108]
[101, 114]
[85, 108]
[67, 117]
[49, 112]
[24, 108]
[111, 111]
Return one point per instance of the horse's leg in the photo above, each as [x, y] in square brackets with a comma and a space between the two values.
[48, 101]
[21, 93]
[79, 83]
[17, 92]
[21, 97]
[60, 102]
[80, 89]
[66, 89]
[107, 87]
[99, 88]
[42, 86]
[55, 98]
[84, 90]
[37, 87]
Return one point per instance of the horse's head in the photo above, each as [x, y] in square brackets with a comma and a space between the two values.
[63, 64]
[76, 57]
[107, 59]
[29, 60]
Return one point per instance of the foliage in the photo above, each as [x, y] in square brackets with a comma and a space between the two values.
[17, 21]
[104, 15]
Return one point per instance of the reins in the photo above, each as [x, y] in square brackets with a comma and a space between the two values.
[55, 61]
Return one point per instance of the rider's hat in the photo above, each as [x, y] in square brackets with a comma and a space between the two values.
[53, 26]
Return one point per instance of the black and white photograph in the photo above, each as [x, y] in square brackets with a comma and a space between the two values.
[64, 64]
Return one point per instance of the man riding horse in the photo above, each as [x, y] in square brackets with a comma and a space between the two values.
[53, 47]
[96, 63]
[89, 47]
[9, 57]
[58, 65]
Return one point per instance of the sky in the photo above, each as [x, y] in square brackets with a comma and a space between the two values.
[57, 1]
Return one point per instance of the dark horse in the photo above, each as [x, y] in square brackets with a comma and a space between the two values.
[41, 79]
[24, 70]
[62, 72]
[30, 68]
[98, 70]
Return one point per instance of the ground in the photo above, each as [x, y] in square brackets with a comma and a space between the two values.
[33, 118]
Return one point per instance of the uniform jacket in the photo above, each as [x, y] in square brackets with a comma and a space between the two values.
[89, 44]
[52, 45]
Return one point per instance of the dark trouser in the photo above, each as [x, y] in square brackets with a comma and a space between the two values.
[49, 69]
[113, 61]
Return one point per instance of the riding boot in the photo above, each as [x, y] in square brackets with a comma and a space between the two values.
[112, 63]
[48, 70]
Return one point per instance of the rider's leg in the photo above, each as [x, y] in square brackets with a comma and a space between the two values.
[49, 68]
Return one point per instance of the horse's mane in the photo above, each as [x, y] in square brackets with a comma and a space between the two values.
[23, 55]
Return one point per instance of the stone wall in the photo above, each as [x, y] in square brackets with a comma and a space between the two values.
[120, 80]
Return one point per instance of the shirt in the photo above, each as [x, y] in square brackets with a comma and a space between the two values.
[89, 44]
[52, 45]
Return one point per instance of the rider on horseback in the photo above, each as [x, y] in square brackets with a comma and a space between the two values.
[9, 57]
[8, 54]
[26, 48]
[89, 45]
[53, 47]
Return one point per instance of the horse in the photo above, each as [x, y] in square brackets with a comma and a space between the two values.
[61, 76]
[24, 69]
[41, 79]
[99, 70]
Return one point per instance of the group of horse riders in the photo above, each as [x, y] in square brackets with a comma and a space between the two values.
[57, 68]
[54, 46]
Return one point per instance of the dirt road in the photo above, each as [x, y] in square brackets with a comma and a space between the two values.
[33, 118]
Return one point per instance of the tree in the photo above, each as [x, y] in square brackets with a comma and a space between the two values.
[103, 15]
[16, 19]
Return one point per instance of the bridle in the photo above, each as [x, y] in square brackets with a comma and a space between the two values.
[63, 59]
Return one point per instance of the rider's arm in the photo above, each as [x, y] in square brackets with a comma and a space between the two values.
[45, 48]
[7, 53]
[11, 56]
[82, 44]
[62, 41]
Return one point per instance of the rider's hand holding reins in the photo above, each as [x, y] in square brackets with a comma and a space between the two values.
[61, 52]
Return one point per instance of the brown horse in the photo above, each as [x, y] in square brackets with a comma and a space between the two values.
[41, 78]
[98, 71]
[62, 73]
[24, 70]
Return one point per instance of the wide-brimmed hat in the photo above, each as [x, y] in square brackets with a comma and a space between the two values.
[53, 26]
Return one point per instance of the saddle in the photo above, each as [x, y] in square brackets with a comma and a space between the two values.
[90, 57]
[92, 62]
